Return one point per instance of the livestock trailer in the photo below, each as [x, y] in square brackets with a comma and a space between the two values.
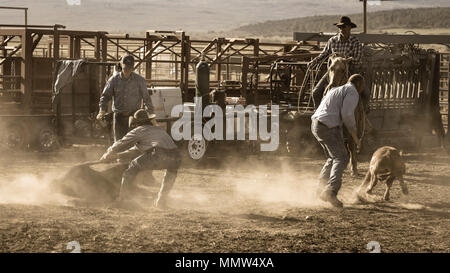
[31, 116]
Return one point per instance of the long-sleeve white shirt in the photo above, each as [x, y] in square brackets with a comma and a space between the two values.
[338, 107]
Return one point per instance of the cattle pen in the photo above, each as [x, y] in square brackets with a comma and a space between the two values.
[407, 82]
[228, 195]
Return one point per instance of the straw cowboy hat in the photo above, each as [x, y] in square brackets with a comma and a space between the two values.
[345, 21]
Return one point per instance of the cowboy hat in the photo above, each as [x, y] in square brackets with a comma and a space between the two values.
[345, 21]
[140, 117]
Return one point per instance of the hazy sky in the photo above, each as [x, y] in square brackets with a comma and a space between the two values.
[190, 15]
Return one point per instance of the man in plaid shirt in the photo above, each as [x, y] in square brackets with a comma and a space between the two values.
[342, 43]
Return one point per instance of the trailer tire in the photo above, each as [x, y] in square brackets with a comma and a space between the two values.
[47, 140]
[194, 151]
[16, 136]
[197, 148]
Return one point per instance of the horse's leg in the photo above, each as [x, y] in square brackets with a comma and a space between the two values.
[351, 148]
[441, 138]
[441, 141]
[438, 127]
[353, 159]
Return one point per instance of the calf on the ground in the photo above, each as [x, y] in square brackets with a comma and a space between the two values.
[387, 165]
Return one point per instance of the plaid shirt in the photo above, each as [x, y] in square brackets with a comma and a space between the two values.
[350, 48]
[127, 94]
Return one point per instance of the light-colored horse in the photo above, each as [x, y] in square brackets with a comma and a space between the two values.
[337, 71]
[338, 75]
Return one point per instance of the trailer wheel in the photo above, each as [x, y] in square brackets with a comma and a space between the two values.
[16, 136]
[196, 148]
[47, 140]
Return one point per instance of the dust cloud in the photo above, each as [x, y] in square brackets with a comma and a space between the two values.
[29, 177]
[287, 188]
[238, 185]
[245, 186]
[30, 189]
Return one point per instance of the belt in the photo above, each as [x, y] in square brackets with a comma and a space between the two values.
[323, 124]
[318, 122]
[124, 114]
[154, 149]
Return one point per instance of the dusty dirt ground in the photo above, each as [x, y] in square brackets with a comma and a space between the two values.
[241, 205]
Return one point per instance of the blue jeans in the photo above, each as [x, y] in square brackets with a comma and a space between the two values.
[154, 159]
[120, 126]
[332, 142]
[319, 89]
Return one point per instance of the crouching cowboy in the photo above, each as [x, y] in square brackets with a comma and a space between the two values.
[158, 152]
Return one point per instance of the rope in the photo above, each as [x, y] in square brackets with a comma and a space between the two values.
[312, 78]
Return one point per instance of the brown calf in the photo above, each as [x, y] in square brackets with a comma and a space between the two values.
[386, 164]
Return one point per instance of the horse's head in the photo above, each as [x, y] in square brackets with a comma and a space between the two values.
[337, 70]
[338, 62]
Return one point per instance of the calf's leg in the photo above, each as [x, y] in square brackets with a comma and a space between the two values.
[365, 182]
[373, 183]
[403, 185]
[389, 182]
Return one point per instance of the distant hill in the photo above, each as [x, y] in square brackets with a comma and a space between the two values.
[421, 18]
[191, 15]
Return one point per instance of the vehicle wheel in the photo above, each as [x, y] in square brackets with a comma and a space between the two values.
[16, 137]
[47, 140]
[196, 148]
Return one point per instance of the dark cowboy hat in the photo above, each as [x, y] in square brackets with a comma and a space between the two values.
[140, 117]
[345, 21]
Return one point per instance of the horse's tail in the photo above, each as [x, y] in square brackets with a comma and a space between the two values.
[360, 118]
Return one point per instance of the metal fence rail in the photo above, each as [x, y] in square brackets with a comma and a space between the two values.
[444, 88]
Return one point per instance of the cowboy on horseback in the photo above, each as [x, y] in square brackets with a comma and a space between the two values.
[343, 44]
